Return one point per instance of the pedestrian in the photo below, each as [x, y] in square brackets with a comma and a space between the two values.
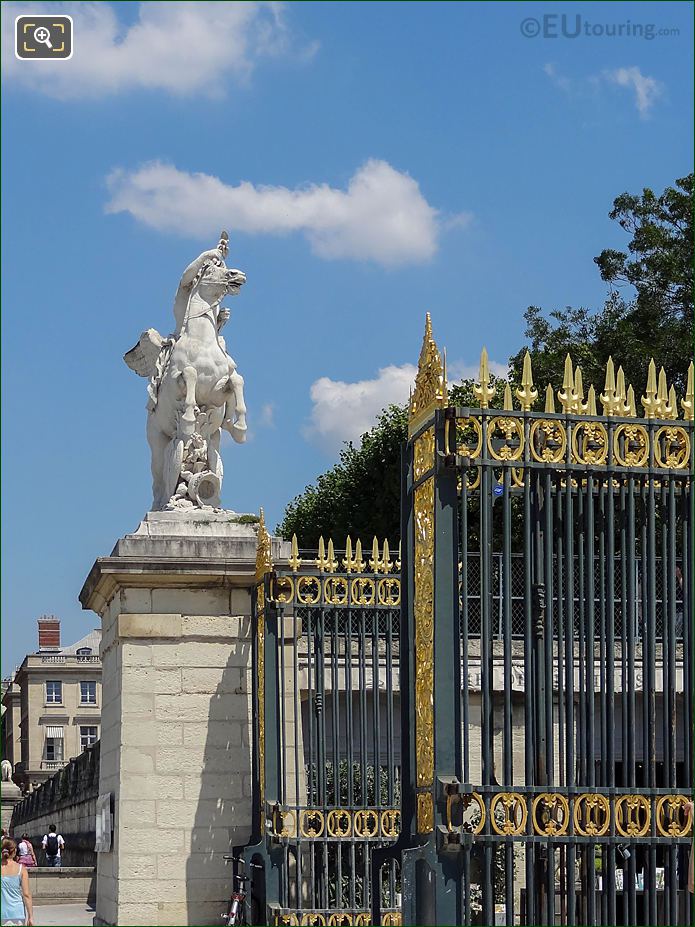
[16, 894]
[53, 844]
[25, 852]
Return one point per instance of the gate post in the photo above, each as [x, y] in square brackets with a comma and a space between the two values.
[430, 650]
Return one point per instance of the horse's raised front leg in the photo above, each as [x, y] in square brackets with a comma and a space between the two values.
[235, 413]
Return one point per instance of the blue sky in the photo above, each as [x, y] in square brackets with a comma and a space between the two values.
[371, 161]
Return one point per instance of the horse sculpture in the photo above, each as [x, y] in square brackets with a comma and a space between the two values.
[194, 389]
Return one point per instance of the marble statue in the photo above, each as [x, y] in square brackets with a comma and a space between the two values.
[6, 767]
[194, 388]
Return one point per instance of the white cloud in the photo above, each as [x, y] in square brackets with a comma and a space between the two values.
[183, 48]
[267, 416]
[564, 83]
[382, 215]
[345, 411]
[647, 90]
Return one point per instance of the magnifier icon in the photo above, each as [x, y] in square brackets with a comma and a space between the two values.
[42, 35]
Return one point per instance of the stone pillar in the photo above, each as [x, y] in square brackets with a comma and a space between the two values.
[11, 794]
[175, 604]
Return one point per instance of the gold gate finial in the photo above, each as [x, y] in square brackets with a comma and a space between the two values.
[527, 395]
[567, 394]
[549, 399]
[483, 390]
[264, 559]
[650, 401]
[609, 397]
[430, 382]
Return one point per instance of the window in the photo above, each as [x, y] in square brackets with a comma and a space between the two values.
[88, 737]
[54, 692]
[88, 693]
[84, 651]
[54, 744]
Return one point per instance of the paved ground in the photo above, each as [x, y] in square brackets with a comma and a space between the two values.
[62, 915]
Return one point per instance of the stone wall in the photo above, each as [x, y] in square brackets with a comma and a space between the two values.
[67, 885]
[68, 800]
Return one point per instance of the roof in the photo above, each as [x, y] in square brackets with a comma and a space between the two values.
[93, 639]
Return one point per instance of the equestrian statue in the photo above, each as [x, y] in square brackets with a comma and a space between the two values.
[194, 389]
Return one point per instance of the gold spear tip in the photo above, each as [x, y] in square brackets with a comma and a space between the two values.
[549, 399]
[651, 377]
[610, 376]
[620, 386]
[507, 404]
[591, 401]
[568, 379]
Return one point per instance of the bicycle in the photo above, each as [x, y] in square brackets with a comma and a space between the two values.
[235, 911]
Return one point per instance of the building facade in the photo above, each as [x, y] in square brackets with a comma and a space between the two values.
[52, 705]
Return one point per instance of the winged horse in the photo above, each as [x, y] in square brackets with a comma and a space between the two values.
[194, 389]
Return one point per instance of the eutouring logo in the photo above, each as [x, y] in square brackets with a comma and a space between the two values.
[576, 26]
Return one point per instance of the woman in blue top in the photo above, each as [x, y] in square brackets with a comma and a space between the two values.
[15, 902]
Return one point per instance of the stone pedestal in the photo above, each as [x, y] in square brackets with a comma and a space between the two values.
[10, 794]
[175, 604]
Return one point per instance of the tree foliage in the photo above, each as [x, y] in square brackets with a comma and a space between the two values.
[657, 322]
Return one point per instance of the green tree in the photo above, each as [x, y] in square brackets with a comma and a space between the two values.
[360, 495]
[656, 322]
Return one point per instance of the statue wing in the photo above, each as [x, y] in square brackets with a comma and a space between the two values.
[143, 357]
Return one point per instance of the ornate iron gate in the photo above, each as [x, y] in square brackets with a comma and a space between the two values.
[547, 778]
[327, 746]
[507, 738]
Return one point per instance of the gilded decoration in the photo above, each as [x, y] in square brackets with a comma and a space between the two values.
[548, 440]
[425, 813]
[592, 815]
[424, 632]
[631, 445]
[590, 443]
[633, 815]
[264, 564]
[672, 819]
[512, 430]
[672, 447]
[508, 813]
[423, 455]
[430, 382]
[551, 814]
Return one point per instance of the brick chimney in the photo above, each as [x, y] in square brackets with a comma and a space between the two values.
[49, 632]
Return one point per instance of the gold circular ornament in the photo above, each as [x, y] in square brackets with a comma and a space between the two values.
[308, 590]
[390, 822]
[592, 815]
[311, 822]
[672, 819]
[513, 810]
[339, 823]
[633, 815]
[589, 443]
[550, 814]
[548, 440]
[672, 447]
[389, 591]
[473, 804]
[631, 445]
[362, 591]
[335, 590]
[366, 823]
[284, 589]
[513, 431]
